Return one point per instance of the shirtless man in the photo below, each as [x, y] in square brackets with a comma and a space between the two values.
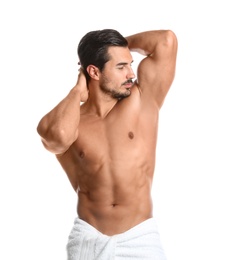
[104, 135]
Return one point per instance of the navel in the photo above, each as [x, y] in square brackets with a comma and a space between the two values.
[131, 135]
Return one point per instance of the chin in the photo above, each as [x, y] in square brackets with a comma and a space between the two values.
[123, 95]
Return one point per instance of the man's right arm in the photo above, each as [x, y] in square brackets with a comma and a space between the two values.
[59, 128]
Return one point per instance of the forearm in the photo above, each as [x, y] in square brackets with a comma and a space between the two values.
[146, 43]
[59, 128]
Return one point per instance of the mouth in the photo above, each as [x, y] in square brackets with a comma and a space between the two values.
[128, 84]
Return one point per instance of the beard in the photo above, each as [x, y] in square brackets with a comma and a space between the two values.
[112, 92]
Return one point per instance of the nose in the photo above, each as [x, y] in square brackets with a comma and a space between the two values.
[131, 74]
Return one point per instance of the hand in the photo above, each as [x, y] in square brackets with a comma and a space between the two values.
[81, 85]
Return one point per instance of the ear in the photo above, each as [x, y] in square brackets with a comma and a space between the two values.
[93, 72]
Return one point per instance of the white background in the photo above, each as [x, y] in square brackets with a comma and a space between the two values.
[38, 66]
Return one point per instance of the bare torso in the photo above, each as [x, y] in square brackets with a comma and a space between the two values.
[111, 165]
[107, 147]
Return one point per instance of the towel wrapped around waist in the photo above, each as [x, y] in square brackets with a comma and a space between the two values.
[140, 242]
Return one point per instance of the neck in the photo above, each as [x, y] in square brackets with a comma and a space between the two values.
[99, 104]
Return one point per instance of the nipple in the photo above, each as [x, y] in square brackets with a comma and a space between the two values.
[131, 135]
[82, 155]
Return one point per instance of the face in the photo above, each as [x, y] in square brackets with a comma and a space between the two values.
[117, 76]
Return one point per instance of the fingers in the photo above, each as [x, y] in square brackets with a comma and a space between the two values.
[80, 69]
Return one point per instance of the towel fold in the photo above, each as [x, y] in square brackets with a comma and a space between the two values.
[140, 242]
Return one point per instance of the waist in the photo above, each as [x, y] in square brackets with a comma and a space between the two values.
[115, 217]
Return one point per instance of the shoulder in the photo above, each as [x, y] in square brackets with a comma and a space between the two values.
[138, 101]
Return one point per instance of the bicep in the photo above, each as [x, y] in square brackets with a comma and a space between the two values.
[156, 72]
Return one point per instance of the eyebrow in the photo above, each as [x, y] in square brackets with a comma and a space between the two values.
[123, 63]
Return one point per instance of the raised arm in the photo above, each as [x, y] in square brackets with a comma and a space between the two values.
[156, 71]
[59, 128]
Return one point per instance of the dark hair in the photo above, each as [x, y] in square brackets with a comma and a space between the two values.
[93, 47]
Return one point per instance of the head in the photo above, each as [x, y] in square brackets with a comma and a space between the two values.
[96, 48]
[93, 48]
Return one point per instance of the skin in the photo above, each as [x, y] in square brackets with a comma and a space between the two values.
[107, 145]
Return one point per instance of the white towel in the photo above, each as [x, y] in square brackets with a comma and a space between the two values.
[140, 242]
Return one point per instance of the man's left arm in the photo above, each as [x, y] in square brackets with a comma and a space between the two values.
[156, 71]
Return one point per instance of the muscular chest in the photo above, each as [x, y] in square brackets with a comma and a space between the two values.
[116, 139]
[100, 139]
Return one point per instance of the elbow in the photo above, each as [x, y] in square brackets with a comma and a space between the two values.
[170, 39]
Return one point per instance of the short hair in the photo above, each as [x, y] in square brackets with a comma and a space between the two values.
[93, 48]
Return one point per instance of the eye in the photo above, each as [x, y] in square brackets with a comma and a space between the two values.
[120, 67]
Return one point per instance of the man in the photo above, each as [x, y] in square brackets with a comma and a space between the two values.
[104, 135]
